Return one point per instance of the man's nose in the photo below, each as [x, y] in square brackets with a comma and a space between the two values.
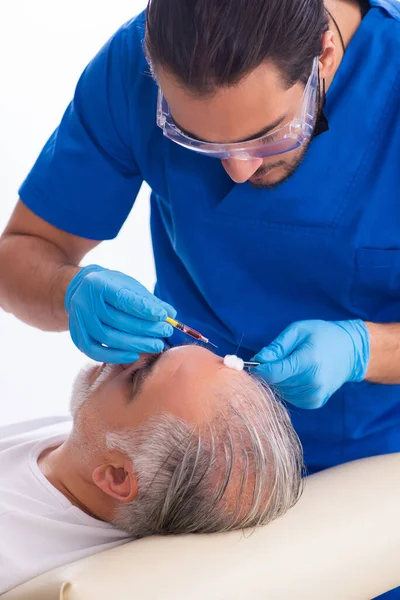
[241, 170]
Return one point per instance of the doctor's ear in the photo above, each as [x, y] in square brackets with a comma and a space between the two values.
[117, 479]
[328, 58]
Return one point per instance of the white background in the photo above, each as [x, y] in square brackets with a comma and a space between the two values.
[44, 46]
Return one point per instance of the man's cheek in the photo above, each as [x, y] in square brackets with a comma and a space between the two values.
[108, 405]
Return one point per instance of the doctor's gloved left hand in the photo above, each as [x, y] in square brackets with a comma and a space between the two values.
[310, 360]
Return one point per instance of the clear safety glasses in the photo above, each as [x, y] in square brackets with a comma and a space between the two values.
[284, 139]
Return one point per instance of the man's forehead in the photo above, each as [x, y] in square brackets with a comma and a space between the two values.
[167, 363]
[192, 357]
[251, 108]
[186, 368]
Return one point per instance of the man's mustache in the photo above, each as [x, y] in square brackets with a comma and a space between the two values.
[265, 169]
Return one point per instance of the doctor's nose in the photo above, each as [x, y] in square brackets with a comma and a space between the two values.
[241, 170]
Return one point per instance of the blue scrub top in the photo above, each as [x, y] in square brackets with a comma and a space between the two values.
[239, 263]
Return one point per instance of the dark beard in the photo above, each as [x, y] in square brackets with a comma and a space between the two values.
[291, 168]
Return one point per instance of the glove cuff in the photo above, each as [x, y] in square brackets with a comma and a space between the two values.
[75, 283]
[359, 334]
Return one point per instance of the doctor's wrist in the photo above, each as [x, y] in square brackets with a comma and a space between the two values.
[360, 338]
[384, 365]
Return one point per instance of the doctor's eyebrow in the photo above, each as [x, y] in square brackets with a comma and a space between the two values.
[264, 131]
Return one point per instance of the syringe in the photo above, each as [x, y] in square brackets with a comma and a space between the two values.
[189, 331]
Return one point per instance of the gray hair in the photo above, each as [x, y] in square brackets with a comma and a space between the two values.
[242, 469]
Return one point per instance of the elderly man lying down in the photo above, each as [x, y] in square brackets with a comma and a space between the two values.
[175, 443]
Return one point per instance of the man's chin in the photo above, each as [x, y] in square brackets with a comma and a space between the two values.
[81, 386]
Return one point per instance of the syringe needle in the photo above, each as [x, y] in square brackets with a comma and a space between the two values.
[208, 342]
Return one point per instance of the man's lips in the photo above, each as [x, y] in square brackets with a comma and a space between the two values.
[256, 177]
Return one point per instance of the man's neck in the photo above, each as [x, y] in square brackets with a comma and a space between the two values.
[68, 475]
[348, 17]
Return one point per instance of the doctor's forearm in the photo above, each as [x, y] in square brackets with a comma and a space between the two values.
[384, 365]
[34, 276]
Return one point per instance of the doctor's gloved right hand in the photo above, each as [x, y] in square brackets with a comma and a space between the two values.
[113, 318]
[310, 360]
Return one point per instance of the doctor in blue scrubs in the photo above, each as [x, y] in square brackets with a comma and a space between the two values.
[269, 133]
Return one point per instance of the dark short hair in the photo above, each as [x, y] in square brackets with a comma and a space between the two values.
[207, 44]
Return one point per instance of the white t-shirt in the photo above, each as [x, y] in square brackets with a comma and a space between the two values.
[39, 527]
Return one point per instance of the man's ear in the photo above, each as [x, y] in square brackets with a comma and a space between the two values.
[328, 58]
[117, 479]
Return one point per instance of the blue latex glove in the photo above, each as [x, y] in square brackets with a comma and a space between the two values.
[108, 307]
[310, 360]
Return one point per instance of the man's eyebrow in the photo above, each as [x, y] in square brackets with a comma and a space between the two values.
[264, 131]
[140, 375]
